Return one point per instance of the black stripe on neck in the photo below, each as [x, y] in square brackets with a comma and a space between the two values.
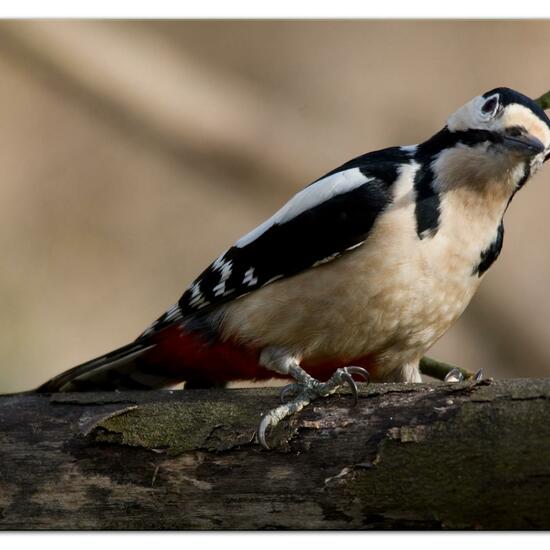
[522, 181]
[427, 210]
[491, 253]
[445, 139]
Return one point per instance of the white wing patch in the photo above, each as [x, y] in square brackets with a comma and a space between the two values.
[249, 278]
[197, 299]
[311, 196]
[173, 313]
[225, 268]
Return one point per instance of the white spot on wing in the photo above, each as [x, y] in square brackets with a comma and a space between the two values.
[173, 313]
[224, 267]
[317, 193]
[197, 299]
[249, 278]
[219, 289]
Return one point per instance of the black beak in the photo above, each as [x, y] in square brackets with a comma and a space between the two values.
[525, 144]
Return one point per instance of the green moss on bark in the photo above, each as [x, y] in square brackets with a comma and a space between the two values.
[179, 427]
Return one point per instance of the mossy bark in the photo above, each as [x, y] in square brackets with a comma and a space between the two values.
[463, 455]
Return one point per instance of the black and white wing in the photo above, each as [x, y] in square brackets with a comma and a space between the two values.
[328, 218]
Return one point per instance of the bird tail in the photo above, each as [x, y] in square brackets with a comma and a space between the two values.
[120, 369]
[162, 359]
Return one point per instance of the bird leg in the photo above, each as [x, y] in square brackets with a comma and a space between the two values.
[305, 388]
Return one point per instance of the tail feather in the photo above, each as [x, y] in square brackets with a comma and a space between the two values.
[163, 359]
[115, 370]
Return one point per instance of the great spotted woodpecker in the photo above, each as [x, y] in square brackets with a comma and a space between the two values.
[363, 270]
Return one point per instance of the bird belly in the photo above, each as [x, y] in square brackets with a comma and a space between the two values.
[387, 301]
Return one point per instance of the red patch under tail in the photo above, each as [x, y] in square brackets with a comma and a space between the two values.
[176, 355]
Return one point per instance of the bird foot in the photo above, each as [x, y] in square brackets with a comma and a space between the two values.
[456, 375]
[305, 391]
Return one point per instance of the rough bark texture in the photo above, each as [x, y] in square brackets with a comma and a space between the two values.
[463, 455]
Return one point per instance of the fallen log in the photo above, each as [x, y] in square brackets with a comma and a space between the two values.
[462, 455]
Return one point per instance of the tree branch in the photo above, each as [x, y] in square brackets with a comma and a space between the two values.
[439, 369]
[544, 100]
[463, 455]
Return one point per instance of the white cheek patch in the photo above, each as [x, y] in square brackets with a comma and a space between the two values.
[468, 117]
[315, 194]
[519, 115]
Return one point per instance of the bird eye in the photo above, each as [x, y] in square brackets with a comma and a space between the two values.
[515, 131]
[490, 107]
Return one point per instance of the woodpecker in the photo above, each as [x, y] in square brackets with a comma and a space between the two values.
[358, 274]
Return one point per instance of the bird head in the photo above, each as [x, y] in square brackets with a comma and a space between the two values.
[499, 133]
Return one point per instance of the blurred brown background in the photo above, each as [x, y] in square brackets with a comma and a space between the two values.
[132, 153]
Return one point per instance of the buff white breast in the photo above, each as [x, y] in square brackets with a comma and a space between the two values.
[394, 296]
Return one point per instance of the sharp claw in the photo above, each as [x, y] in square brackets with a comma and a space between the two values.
[307, 391]
[478, 375]
[262, 427]
[359, 371]
[353, 386]
[454, 375]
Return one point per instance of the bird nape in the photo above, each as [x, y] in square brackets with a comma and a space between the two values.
[358, 274]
